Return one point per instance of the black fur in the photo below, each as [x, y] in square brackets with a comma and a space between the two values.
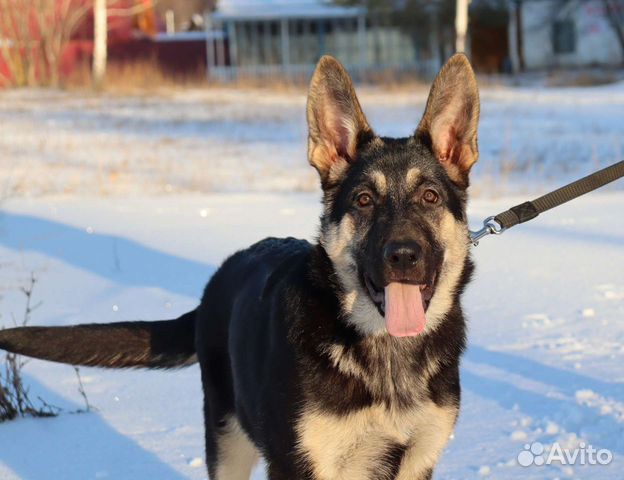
[163, 344]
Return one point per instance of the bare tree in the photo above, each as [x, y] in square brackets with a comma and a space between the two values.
[34, 35]
[16, 43]
[14, 396]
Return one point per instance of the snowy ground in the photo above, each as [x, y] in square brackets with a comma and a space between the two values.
[546, 307]
[233, 141]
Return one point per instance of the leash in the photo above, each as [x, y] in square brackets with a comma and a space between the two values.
[526, 211]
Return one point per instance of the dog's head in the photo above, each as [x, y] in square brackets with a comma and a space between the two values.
[394, 222]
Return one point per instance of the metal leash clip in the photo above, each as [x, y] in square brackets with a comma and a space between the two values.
[490, 227]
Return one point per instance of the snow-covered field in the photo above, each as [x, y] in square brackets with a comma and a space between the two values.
[123, 207]
[240, 141]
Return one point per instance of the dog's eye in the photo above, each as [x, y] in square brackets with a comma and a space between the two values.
[430, 196]
[364, 200]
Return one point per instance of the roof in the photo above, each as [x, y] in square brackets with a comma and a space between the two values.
[188, 36]
[281, 9]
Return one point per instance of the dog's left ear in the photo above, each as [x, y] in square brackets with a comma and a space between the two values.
[449, 124]
[336, 122]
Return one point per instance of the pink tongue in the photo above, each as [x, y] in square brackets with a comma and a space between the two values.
[405, 315]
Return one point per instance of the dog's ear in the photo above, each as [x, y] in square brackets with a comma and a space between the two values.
[449, 124]
[336, 123]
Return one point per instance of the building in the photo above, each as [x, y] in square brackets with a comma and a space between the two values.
[277, 37]
[563, 34]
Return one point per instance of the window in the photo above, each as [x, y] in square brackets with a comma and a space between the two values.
[564, 36]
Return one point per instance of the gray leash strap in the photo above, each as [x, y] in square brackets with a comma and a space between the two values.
[526, 211]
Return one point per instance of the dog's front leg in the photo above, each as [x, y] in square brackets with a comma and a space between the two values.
[433, 434]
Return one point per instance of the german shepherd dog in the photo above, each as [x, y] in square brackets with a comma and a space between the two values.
[340, 359]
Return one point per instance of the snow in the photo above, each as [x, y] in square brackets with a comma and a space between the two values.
[272, 9]
[225, 140]
[90, 213]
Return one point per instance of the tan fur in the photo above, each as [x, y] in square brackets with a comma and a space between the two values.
[379, 372]
[453, 235]
[364, 314]
[345, 363]
[381, 184]
[412, 176]
[348, 301]
[237, 455]
[336, 240]
[337, 170]
[349, 447]
[429, 441]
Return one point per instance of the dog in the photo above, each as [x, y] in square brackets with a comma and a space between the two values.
[339, 359]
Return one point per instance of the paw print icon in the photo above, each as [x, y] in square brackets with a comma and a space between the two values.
[531, 455]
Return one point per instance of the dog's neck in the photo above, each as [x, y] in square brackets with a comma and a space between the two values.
[391, 367]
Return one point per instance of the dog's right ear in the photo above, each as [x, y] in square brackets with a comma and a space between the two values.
[336, 123]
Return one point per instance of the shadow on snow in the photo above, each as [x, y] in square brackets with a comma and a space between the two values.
[119, 260]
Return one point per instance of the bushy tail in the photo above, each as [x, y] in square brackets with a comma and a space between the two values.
[162, 344]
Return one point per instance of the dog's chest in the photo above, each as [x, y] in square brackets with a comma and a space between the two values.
[388, 372]
[376, 442]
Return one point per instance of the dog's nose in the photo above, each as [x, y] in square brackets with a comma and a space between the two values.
[401, 255]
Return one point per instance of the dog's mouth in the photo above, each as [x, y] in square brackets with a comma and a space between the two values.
[403, 304]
